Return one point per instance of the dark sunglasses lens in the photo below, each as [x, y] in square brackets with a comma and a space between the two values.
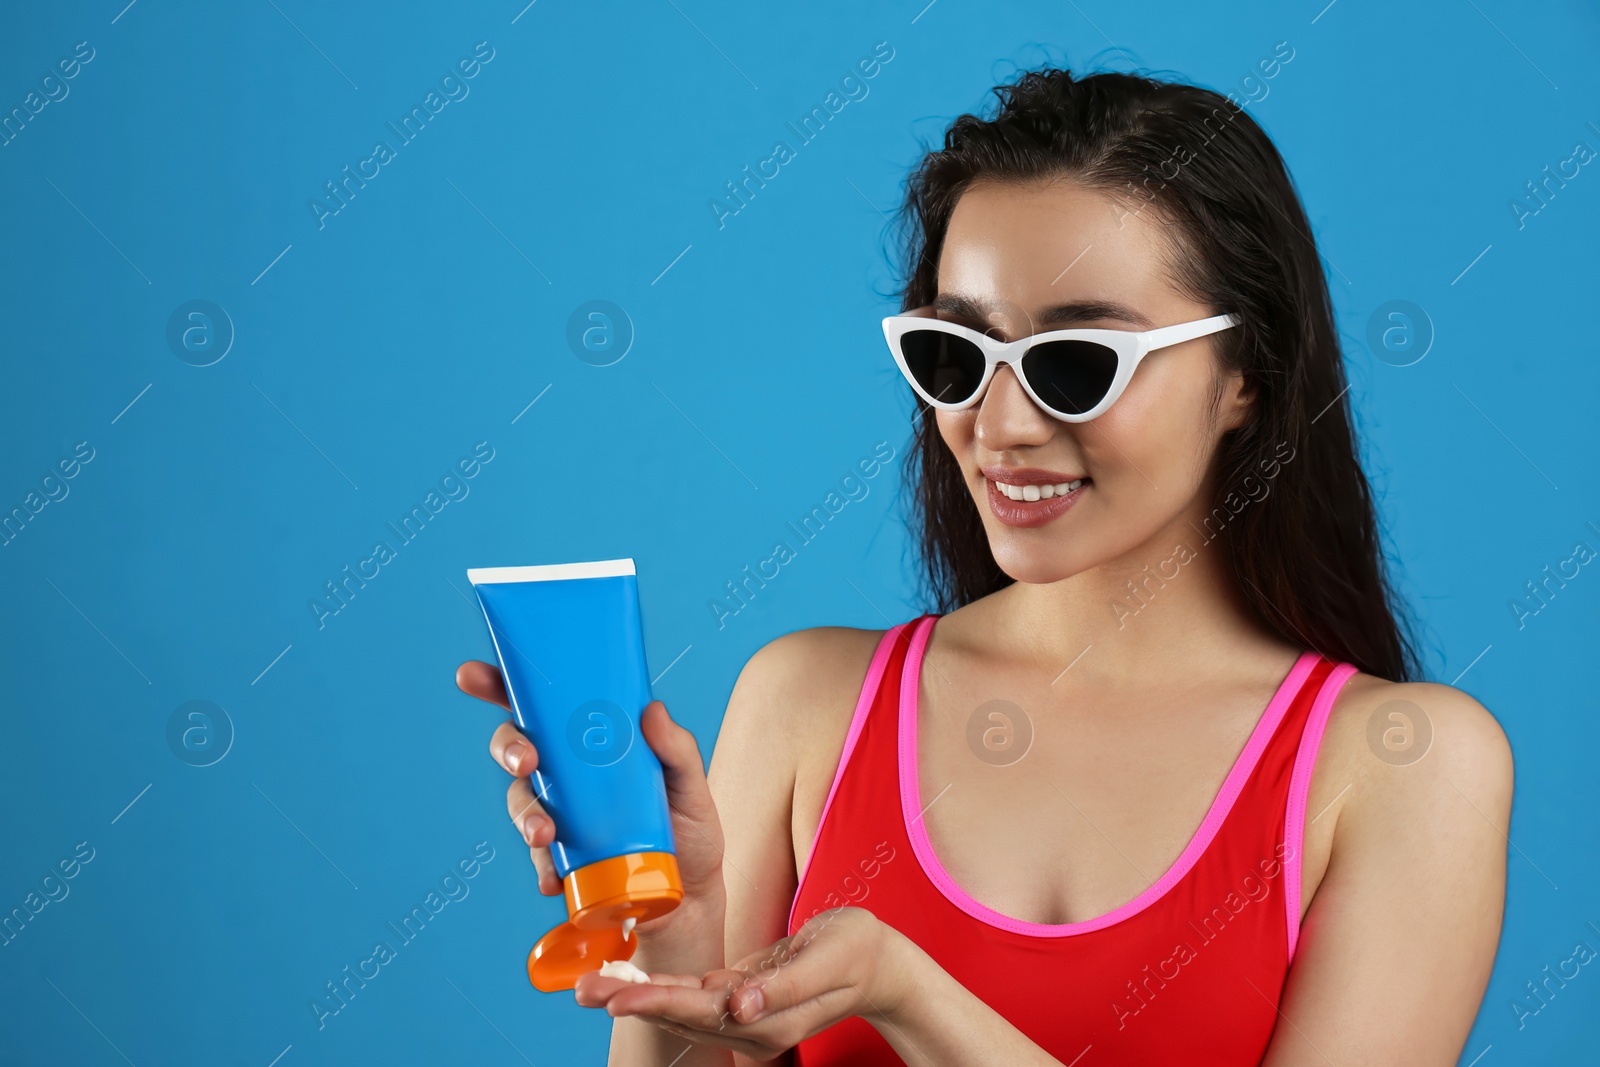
[1070, 376]
[946, 367]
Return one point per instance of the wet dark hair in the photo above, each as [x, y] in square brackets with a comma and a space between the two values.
[1307, 555]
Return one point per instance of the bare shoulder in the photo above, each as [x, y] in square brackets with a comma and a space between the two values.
[1421, 748]
[1406, 848]
[790, 700]
[793, 696]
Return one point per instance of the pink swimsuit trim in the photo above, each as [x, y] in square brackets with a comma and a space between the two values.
[911, 803]
[1300, 790]
[858, 721]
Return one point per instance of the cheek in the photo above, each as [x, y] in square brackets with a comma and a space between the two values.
[956, 428]
[1154, 440]
[1139, 431]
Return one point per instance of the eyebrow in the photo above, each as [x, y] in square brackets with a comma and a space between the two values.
[1055, 315]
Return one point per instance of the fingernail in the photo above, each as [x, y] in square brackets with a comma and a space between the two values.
[753, 1003]
[516, 752]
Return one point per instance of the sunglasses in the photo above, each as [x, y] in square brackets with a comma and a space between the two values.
[1074, 375]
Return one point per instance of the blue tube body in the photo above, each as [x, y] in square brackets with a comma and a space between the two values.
[572, 652]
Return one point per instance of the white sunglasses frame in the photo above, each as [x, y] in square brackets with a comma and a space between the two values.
[1130, 346]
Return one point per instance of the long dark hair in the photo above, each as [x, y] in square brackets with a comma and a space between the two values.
[1307, 557]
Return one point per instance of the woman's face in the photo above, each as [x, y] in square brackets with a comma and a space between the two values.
[1020, 260]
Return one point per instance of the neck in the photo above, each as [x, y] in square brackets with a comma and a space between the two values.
[1168, 606]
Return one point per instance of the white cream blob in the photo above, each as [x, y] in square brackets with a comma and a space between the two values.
[627, 926]
[624, 970]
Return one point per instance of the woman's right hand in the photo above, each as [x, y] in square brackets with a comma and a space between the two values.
[696, 829]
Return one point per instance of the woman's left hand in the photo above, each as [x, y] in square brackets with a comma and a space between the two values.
[840, 964]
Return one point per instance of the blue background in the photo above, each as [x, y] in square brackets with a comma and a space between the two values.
[373, 353]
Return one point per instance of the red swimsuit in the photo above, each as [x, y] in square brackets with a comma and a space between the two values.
[1189, 971]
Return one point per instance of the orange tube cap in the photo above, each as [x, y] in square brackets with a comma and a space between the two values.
[601, 897]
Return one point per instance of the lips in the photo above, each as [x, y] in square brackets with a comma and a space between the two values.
[1031, 496]
[1027, 475]
[1032, 492]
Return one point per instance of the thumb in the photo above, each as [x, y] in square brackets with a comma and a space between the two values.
[681, 767]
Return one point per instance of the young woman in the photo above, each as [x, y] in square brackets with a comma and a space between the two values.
[1154, 784]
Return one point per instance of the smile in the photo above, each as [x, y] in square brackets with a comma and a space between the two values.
[1038, 492]
[1033, 504]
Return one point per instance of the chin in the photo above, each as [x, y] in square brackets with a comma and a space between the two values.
[1035, 559]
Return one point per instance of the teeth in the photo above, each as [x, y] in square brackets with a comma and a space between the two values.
[1038, 492]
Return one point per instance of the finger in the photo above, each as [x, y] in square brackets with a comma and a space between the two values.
[482, 680]
[513, 751]
[694, 1006]
[682, 769]
[787, 1028]
[793, 971]
[594, 989]
[528, 815]
[704, 1017]
[687, 981]
[806, 1000]
[538, 830]
[516, 754]
[545, 867]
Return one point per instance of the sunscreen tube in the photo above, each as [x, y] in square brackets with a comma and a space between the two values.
[571, 649]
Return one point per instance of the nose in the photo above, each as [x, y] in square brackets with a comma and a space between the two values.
[1007, 416]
